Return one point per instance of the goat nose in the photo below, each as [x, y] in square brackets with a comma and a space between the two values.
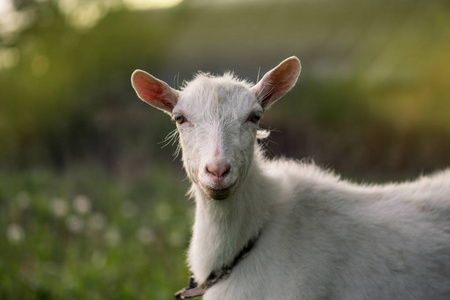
[219, 170]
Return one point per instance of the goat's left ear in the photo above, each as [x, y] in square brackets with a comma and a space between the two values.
[277, 82]
[155, 92]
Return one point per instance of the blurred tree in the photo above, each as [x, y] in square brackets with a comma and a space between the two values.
[68, 88]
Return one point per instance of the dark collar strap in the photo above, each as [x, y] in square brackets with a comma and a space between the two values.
[194, 290]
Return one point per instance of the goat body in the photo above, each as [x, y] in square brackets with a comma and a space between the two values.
[318, 237]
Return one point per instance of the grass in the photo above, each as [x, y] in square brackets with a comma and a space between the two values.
[84, 235]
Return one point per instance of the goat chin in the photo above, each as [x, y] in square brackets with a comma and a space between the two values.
[219, 188]
[217, 194]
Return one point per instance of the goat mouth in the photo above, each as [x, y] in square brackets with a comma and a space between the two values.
[218, 193]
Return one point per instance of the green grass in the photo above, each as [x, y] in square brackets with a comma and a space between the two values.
[86, 235]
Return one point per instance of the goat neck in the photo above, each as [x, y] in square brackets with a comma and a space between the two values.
[223, 228]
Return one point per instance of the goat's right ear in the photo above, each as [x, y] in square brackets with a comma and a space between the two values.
[277, 82]
[155, 92]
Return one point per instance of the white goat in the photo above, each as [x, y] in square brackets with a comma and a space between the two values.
[284, 229]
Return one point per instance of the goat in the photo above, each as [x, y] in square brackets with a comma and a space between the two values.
[283, 229]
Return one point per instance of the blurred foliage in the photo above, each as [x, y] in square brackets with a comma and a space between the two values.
[69, 90]
[372, 102]
[80, 236]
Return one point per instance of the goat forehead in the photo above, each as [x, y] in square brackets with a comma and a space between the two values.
[216, 96]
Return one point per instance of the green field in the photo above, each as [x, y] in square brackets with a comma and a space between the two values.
[84, 235]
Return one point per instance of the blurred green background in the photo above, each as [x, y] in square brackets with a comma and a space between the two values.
[92, 206]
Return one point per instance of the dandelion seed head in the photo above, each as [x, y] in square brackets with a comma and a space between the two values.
[146, 235]
[74, 224]
[82, 204]
[15, 233]
[59, 207]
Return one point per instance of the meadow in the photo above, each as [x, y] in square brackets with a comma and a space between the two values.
[83, 235]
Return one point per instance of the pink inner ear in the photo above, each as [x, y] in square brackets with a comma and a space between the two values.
[277, 81]
[274, 91]
[152, 92]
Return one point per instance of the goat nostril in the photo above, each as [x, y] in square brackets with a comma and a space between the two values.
[218, 171]
[208, 171]
[226, 171]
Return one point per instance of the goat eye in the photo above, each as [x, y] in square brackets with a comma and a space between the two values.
[180, 119]
[254, 117]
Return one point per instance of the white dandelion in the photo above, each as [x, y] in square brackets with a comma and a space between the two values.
[15, 233]
[59, 207]
[146, 235]
[74, 223]
[82, 204]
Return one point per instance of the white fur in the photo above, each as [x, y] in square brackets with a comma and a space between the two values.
[321, 237]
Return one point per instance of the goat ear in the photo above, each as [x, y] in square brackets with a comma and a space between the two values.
[155, 92]
[277, 82]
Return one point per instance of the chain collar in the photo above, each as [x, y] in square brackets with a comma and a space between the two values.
[194, 290]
